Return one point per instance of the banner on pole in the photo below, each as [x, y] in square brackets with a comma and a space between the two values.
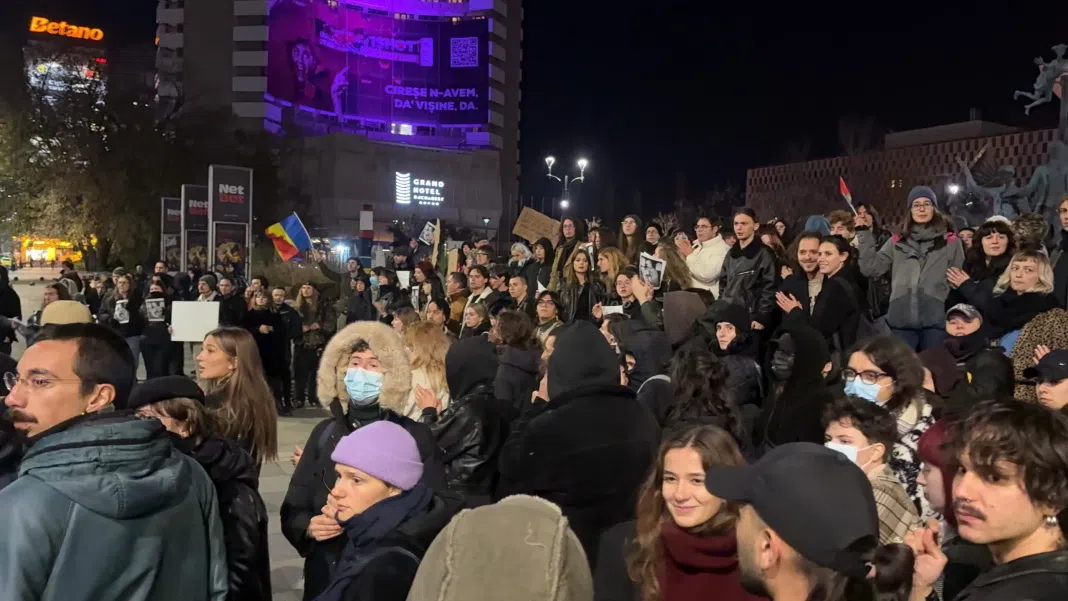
[194, 237]
[170, 239]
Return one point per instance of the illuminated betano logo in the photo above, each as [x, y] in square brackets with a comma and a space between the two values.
[62, 28]
[423, 191]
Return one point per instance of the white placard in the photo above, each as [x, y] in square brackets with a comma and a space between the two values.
[611, 309]
[367, 221]
[651, 270]
[156, 309]
[541, 288]
[122, 311]
[427, 237]
[405, 279]
[192, 320]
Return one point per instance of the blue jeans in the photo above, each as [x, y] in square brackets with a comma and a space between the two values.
[134, 342]
[920, 339]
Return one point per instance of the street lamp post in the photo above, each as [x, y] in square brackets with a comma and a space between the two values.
[565, 200]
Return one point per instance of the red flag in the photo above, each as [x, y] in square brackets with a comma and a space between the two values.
[845, 190]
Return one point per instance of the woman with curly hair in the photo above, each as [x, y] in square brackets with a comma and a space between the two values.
[681, 547]
[427, 344]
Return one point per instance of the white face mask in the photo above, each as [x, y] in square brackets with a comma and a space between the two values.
[850, 452]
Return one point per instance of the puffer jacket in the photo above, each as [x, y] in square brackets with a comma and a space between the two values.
[244, 516]
[749, 279]
[917, 268]
[472, 430]
[569, 294]
[517, 376]
[105, 508]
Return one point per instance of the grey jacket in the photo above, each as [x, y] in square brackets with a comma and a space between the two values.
[108, 510]
[918, 285]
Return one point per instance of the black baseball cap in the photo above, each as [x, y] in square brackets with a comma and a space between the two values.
[164, 389]
[1051, 368]
[816, 499]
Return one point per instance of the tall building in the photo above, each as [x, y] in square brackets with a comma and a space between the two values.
[883, 178]
[409, 107]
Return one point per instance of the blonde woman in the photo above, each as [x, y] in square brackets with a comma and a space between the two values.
[427, 344]
[1022, 291]
[610, 261]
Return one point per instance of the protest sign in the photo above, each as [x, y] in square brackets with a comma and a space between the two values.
[533, 225]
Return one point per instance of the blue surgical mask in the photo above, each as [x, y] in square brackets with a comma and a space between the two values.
[374, 281]
[850, 452]
[363, 386]
[868, 392]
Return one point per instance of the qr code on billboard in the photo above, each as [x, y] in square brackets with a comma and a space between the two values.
[463, 52]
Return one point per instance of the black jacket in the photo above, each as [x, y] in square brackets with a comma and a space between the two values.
[244, 517]
[569, 294]
[272, 345]
[135, 323]
[545, 269]
[360, 308]
[979, 290]
[650, 347]
[795, 413]
[472, 429]
[11, 450]
[232, 310]
[1041, 577]
[10, 305]
[837, 312]
[744, 385]
[517, 376]
[313, 476]
[590, 447]
[749, 280]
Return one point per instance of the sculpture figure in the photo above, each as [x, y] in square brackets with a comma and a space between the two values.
[1048, 74]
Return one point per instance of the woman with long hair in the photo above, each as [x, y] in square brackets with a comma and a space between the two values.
[698, 383]
[836, 312]
[682, 546]
[984, 263]
[269, 331]
[676, 273]
[582, 290]
[886, 371]
[360, 306]
[317, 326]
[476, 321]
[156, 339]
[631, 236]
[230, 371]
[771, 238]
[610, 261]
[1023, 290]
[427, 345]
[403, 317]
[917, 262]
[121, 310]
[573, 234]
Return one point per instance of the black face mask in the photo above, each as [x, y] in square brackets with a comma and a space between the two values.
[157, 295]
[782, 365]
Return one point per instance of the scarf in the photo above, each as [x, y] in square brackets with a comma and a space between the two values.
[694, 564]
[365, 531]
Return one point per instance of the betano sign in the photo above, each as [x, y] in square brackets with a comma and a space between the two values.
[62, 28]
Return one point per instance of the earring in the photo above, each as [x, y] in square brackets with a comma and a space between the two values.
[1051, 521]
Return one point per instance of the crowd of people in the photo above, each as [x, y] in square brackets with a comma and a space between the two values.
[841, 413]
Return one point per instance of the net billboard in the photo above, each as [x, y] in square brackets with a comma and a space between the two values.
[344, 61]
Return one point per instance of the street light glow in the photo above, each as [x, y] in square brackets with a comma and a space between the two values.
[582, 164]
[564, 204]
[549, 161]
[953, 188]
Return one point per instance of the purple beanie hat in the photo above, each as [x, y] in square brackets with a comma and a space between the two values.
[383, 450]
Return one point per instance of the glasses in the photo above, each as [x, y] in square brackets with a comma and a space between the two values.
[629, 222]
[546, 303]
[868, 377]
[35, 383]
[922, 205]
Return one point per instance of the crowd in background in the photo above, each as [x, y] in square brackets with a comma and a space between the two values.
[841, 412]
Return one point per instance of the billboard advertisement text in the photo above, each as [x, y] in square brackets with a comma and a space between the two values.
[343, 61]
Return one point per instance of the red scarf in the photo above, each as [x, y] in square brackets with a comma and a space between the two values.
[698, 568]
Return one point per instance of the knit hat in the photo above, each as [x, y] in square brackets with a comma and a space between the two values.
[164, 389]
[210, 281]
[64, 312]
[534, 554]
[922, 192]
[384, 450]
[681, 310]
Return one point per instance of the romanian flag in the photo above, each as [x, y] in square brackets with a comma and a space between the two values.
[289, 236]
[844, 190]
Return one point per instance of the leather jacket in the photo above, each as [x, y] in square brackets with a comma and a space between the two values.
[1041, 577]
[749, 279]
[569, 294]
[471, 432]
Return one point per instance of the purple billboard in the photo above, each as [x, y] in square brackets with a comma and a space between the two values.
[345, 61]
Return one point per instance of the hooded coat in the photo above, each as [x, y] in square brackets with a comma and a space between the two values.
[744, 380]
[105, 508]
[590, 447]
[651, 349]
[795, 414]
[517, 376]
[307, 491]
[244, 516]
[472, 430]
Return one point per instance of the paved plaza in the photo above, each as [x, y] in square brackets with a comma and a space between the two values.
[274, 479]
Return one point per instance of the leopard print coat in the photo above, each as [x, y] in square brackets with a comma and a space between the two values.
[1049, 328]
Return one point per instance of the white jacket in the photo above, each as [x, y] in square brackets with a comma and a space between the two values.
[706, 263]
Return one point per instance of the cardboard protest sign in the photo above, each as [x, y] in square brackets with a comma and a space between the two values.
[533, 225]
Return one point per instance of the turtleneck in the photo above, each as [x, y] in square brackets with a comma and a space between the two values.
[694, 564]
[361, 415]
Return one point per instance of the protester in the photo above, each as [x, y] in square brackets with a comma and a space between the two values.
[346, 281]
[269, 331]
[696, 395]
[121, 310]
[456, 289]
[705, 256]
[749, 274]
[808, 528]
[866, 433]
[648, 345]
[156, 338]
[631, 237]
[178, 403]
[1057, 257]
[983, 265]
[383, 516]
[471, 431]
[476, 321]
[427, 345]
[360, 306]
[1023, 291]
[682, 545]
[803, 281]
[317, 324]
[590, 446]
[523, 264]
[402, 317]
[534, 556]
[550, 308]
[104, 508]
[519, 291]
[364, 378]
[725, 330]
[232, 307]
[1007, 494]
[573, 232]
[1050, 375]
[917, 264]
[581, 291]
[11, 308]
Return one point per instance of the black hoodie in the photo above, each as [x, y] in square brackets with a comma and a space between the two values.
[472, 429]
[744, 384]
[651, 349]
[590, 447]
[796, 413]
[244, 516]
[517, 376]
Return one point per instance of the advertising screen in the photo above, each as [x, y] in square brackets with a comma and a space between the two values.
[342, 60]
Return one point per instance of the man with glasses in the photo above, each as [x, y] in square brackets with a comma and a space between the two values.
[105, 507]
[705, 257]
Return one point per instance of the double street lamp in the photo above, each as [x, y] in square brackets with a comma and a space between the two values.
[565, 200]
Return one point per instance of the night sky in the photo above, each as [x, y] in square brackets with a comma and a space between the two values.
[708, 92]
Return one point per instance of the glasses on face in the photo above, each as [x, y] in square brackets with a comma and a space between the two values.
[629, 222]
[922, 205]
[546, 303]
[35, 382]
[868, 377]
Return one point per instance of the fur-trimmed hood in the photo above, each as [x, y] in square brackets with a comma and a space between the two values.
[386, 344]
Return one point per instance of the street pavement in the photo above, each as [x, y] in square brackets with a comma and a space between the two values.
[286, 564]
